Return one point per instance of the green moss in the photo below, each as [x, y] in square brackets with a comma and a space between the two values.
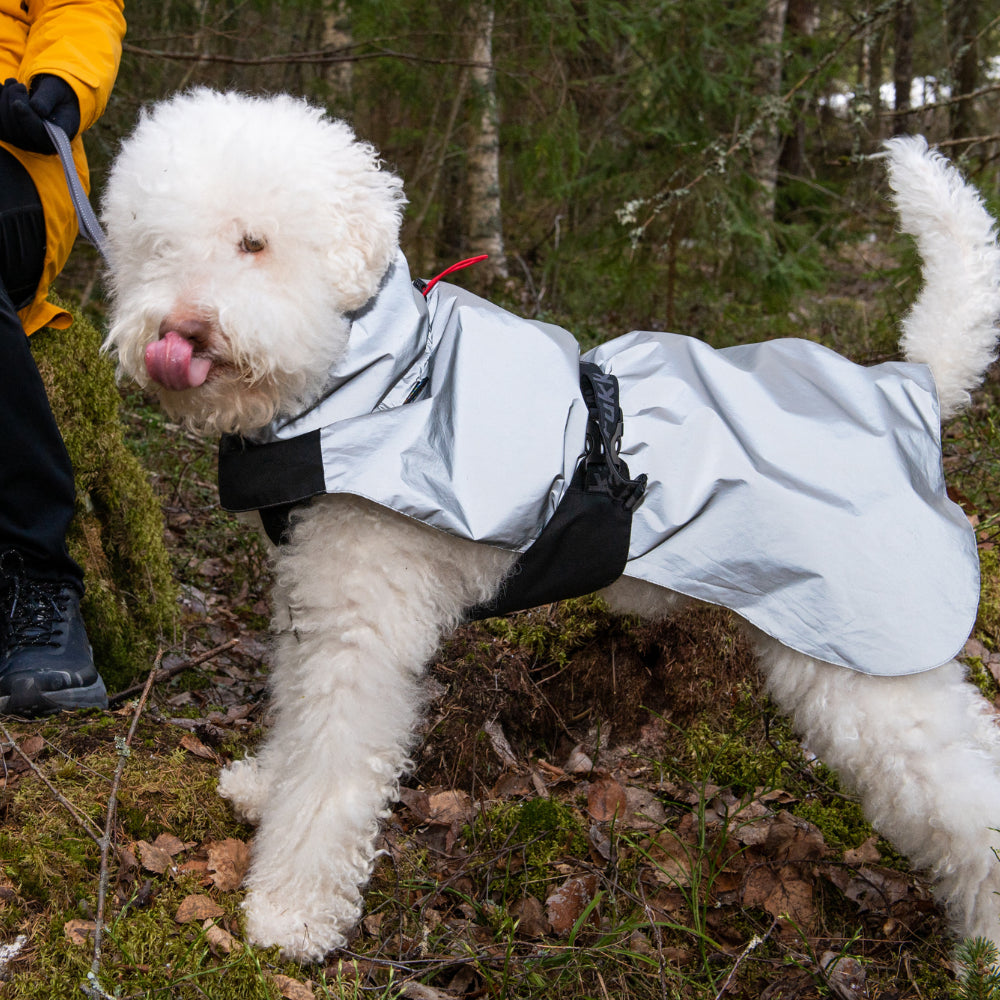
[145, 953]
[988, 622]
[117, 534]
[736, 757]
[842, 822]
[544, 830]
[982, 678]
[555, 631]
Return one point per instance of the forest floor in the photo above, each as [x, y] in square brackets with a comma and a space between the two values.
[598, 807]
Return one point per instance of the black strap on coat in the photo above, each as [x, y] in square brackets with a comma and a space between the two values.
[584, 546]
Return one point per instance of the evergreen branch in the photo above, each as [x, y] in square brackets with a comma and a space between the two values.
[770, 110]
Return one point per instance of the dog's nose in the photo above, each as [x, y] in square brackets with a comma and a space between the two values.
[192, 328]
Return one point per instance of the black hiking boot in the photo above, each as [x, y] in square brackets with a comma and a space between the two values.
[46, 664]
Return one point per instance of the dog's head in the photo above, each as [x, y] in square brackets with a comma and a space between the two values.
[241, 231]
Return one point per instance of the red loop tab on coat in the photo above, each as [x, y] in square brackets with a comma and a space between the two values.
[458, 266]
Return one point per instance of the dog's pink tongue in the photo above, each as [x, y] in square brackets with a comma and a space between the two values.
[171, 362]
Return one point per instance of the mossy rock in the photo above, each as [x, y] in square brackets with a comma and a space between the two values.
[117, 533]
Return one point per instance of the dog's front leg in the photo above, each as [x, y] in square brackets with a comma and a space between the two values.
[369, 595]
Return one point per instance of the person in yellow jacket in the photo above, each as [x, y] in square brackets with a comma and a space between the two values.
[58, 62]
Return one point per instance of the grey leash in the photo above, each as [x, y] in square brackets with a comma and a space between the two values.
[90, 228]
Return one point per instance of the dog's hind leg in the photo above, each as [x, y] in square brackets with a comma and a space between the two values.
[631, 596]
[369, 594]
[923, 753]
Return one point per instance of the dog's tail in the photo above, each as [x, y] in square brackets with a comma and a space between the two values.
[952, 326]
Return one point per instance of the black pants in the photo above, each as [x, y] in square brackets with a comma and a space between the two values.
[37, 493]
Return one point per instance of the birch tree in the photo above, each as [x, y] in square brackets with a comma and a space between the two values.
[484, 226]
[766, 141]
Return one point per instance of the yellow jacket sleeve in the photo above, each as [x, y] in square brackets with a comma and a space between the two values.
[79, 41]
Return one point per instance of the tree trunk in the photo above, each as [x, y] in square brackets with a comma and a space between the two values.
[874, 82]
[338, 76]
[902, 70]
[963, 21]
[801, 23]
[766, 140]
[484, 229]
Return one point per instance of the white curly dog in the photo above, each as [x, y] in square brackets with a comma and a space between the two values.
[244, 235]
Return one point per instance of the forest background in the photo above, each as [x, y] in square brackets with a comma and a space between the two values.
[625, 164]
[598, 808]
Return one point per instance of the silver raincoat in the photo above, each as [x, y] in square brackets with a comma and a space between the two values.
[800, 490]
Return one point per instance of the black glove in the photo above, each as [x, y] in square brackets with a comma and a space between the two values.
[22, 113]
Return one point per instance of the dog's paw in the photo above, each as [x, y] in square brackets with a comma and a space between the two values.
[244, 784]
[302, 935]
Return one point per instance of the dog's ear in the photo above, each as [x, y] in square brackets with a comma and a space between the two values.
[365, 209]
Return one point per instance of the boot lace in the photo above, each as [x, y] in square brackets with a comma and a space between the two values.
[33, 609]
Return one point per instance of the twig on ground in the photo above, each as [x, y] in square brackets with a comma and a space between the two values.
[753, 943]
[89, 827]
[94, 989]
[167, 672]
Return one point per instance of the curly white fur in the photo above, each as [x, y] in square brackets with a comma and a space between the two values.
[253, 227]
[202, 180]
[952, 325]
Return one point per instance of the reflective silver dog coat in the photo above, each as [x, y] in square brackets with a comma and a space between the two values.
[802, 491]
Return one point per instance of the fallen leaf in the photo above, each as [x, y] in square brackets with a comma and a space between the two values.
[79, 932]
[873, 889]
[564, 906]
[673, 857]
[450, 806]
[792, 839]
[844, 975]
[417, 801]
[153, 859]
[219, 939]
[292, 989]
[500, 744]
[197, 907]
[228, 861]
[169, 843]
[606, 799]
[192, 744]
[418, 991]
[645, 810]
[127, 861]
[600, 844]
[32, 746]
[783, 893]
[530, 916]
[866, 854]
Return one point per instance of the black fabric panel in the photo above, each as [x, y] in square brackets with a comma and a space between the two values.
[583, 548]
[253, 476]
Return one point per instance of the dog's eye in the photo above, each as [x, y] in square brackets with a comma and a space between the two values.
[252, 244]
